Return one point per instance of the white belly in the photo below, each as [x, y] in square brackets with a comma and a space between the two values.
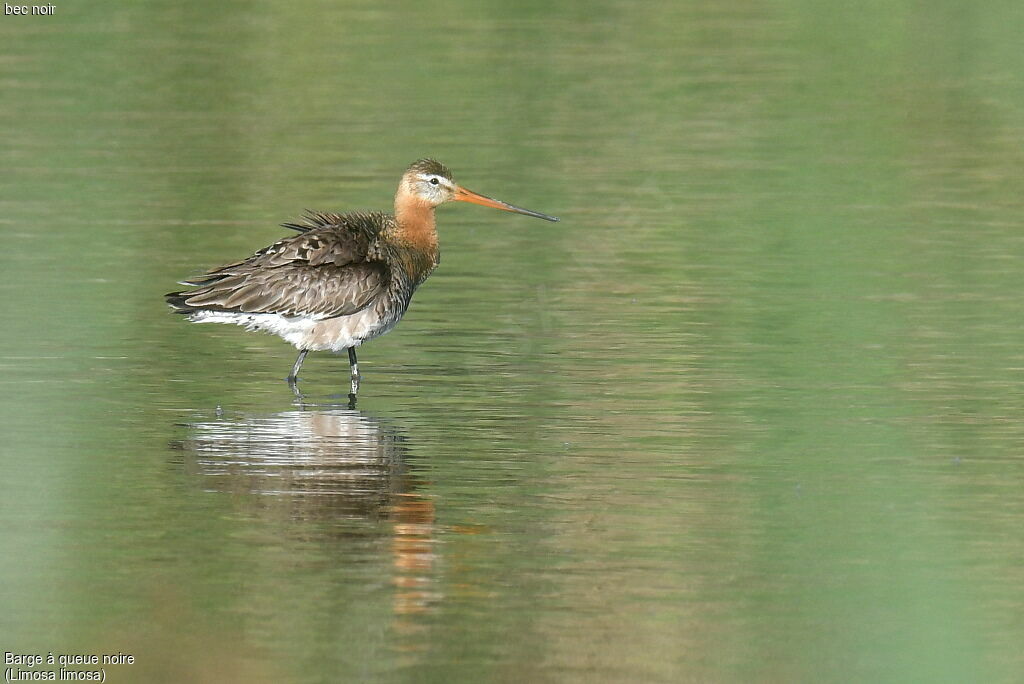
[307, 332]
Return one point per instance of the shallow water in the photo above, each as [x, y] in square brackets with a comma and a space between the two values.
[749, 412]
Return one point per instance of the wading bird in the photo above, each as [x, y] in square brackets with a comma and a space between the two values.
[345, 279]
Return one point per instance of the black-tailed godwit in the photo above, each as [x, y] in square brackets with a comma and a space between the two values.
[345, 279]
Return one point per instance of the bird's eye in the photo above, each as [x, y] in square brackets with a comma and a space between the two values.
[434, 181]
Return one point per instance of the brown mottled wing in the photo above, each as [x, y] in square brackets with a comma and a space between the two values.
[324, 272]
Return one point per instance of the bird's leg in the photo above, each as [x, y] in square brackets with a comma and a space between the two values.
[294, 375]
[354, 367]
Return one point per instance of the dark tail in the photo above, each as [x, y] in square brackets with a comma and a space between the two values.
[176, 300]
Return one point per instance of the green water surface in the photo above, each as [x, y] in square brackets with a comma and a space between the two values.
[753, 411]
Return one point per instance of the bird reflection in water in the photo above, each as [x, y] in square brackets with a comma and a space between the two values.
[334, 472]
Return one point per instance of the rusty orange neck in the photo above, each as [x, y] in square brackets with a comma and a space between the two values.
[416, 224]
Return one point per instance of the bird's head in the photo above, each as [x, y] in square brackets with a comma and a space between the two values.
[431, 183]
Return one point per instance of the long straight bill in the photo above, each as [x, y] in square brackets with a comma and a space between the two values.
[464, 195]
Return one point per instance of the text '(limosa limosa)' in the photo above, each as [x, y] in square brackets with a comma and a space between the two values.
[345, 279]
